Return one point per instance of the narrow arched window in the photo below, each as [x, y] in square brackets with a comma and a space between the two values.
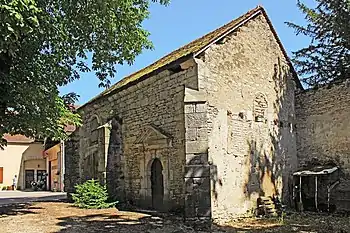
[260, 107]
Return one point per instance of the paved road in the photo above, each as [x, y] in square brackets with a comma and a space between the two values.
[14, 197]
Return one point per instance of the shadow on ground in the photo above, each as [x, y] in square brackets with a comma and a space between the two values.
[126, 222]
[121, 222]
[65, 218]
[17, 209]
[13, 209]
[296, 222]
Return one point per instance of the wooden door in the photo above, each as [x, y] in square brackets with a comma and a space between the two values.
[157, 184]
[28, 177]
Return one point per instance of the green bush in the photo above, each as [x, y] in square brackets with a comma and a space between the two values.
[91, 195]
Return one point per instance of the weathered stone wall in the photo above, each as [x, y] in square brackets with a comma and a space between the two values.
[249, 90]
[197, 169]
[151, 121]
[222, 127]
[323, 133]
[71, 164]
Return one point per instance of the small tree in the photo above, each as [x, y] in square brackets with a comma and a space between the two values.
[91, 195]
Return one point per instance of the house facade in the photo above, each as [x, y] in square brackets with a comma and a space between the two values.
[23, 158]
[54, 153]
[55, 169]
[205, 130]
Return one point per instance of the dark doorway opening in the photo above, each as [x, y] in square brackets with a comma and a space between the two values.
[157, 184]
[28, 178]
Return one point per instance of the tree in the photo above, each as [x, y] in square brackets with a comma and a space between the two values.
[44, 45]
[327, 58]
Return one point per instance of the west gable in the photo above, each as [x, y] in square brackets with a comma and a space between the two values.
[249, 85]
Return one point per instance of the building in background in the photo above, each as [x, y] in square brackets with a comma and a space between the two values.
[22, 157]
[54, 155]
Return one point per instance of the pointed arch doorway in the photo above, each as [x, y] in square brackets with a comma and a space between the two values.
[157, 184]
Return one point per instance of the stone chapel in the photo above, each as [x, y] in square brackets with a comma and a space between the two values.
[204, 131]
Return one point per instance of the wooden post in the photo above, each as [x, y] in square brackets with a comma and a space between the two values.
[328, 197]
[329, 188]
[300, 199]
[316, 202]
[293, 194]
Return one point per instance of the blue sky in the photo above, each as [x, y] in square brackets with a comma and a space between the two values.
[185, 20]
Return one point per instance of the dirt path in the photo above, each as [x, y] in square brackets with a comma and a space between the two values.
[58, 217]
[13, 197]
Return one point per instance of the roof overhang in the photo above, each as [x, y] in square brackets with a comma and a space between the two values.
[319, 170]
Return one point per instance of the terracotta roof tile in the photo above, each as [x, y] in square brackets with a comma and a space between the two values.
[18, 138]
[69, 128]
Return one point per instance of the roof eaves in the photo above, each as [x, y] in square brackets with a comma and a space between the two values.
[18, 138]
[48, 147]
[310, 172]
[145, 76]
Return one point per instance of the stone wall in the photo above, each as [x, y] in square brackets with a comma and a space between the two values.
[71, 164]
[151, 125]
[323, 133]
[249, 90]
[197, 169]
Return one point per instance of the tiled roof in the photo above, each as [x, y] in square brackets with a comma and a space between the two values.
[18, 138]
[191, 48]
[69, 128]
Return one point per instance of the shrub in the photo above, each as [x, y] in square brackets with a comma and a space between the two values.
[91, 195]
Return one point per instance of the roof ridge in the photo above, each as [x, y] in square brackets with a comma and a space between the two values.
[185, 50]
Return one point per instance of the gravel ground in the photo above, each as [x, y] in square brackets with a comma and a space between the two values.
[59, 217]
[45, 217]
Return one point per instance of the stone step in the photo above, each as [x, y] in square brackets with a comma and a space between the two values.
[265, 198]
[268, 212]
[270, 207]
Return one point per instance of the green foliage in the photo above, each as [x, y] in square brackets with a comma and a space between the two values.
[91, 195]
[327, 58]
[44, 45]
